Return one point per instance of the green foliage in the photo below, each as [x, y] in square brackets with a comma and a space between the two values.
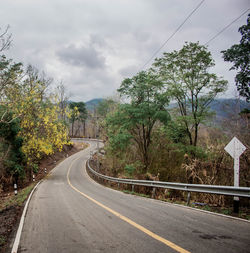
[189, 82]
[238, 54]
[2, 240]
[9, 73]
[245, 111]
[120, 141]
[167, 158]
[130, 169]
[11, 155]
[106, 106]
[192, 151]
[134, 122]
[78, 113]
[81, 108]
[176, 131]
[35, 167]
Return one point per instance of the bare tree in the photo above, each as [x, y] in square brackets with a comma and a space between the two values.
[34, 78]
[5, 39]
[63, 98]
[8, 72]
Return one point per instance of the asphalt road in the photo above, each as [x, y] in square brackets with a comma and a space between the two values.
[69, 212]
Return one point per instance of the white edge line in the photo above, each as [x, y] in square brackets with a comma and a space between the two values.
[20, 227]
[212, 213]
[169, 203]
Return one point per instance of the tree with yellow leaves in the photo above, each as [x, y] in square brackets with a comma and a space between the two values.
[41, 129]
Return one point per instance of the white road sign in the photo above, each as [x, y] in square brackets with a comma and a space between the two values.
[235, 148]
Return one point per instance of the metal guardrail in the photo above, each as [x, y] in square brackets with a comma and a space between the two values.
[85, 139]
[212, 189]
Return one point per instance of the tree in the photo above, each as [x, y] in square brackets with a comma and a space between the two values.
[62, 99]
[30, 126]
[239, 54]
[136, 120]
[189, 82]
[78, 113]
[5, 39]
[41, 129]
[11, 157]
[106, 106]
[10, 74]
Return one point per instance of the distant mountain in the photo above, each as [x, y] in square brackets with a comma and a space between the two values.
[224, 107]
[93, 103]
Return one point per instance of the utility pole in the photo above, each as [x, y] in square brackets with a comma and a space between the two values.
[97, 138]
[98, 165]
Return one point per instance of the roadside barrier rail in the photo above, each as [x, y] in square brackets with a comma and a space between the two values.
[211, 189]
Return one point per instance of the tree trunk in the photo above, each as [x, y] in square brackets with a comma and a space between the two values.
[84, 128]
[72, 129]
[189, 136]
[196, 134]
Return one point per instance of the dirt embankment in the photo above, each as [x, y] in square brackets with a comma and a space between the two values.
[11, 206]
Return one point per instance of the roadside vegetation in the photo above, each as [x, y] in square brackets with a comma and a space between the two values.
[162, 127]
[16, 200]
[34, 119]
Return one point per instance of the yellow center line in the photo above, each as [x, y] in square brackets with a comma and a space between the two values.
[134, 224]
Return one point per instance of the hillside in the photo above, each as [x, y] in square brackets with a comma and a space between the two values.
[223, 107]
[92, 104]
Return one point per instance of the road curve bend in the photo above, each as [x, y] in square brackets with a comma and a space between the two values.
[69, 212]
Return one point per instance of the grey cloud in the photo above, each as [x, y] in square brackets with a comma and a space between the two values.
[93, 45]
[82, 56]
[128, 71]
[97, 40]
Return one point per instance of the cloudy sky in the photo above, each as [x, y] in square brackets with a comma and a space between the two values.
[92, 45]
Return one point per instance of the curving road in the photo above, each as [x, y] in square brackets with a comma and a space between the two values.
[69, 212]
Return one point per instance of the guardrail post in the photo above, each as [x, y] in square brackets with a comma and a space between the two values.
[236, 204]
[118, 185]
[153, 193]
[133, 188]
[188, 198]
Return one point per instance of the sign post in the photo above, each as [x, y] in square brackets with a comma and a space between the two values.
[235, 148]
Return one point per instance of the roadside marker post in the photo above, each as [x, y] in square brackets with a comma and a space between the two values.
[15, 189]
[188, 198]
[33, 178]
[235, 148]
